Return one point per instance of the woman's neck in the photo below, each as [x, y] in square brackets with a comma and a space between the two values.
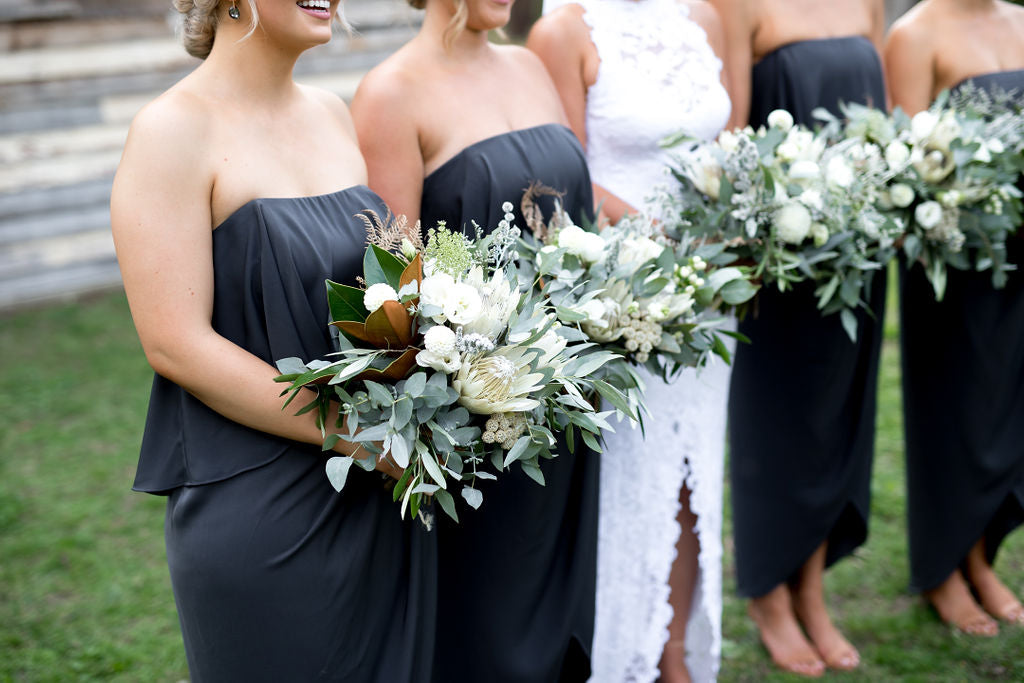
[468, 45]
[250, 68]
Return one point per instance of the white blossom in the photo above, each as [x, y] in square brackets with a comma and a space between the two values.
[375, 296]
[928, 214]
[781, 119]
[793, 222]
[901, 195]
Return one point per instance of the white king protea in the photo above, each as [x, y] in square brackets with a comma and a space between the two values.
[498, 382]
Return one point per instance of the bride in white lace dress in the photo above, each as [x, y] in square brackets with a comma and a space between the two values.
[629, 73]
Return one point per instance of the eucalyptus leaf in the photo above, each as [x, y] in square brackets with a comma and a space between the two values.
[400, 452]
[415, 385]
[337, 470]
[447, 503]
[472, 496]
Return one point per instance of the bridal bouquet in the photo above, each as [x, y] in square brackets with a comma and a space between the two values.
[952, 179]
[447, 367]
[796, 208]
[631, 290]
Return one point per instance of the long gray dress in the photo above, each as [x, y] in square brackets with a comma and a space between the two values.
[963, 398]
[802, 398]
[276, 576]
[517, 578]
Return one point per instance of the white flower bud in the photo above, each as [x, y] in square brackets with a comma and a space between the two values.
[793, 222]
[781, 119]
[901, 195]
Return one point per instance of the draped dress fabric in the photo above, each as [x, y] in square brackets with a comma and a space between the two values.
[802, 400]
[963, 398]
[657, 76]
[517, 576]
[276, 576]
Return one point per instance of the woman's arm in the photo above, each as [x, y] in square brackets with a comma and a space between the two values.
[161, 222]
[909, 67]
[389, 139]
[562, 42]
[738, 22]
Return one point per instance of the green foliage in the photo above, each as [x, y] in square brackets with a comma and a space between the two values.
[84, 588]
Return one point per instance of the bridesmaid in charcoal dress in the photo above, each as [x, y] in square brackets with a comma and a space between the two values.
[516, 578]
[963, 357]
[276, 576]
[802, 398]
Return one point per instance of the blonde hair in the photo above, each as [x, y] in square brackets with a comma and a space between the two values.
[199, 24]
[456, 26]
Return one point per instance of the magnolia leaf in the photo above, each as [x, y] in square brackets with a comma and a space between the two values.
[337, 470]
[395, 370]
[382, 266]
[473, 497]
[412, 273]
[345, 302]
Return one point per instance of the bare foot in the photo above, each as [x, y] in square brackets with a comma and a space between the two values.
[952, 599]
[834, 648]
[996, 598]
[781, 634]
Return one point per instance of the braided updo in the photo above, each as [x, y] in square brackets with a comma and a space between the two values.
[199, 24]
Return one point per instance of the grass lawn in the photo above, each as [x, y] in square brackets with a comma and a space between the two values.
[84, 590]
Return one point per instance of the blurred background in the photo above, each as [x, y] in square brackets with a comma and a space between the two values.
[84, 590]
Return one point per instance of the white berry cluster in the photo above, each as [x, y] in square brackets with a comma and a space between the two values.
[994, 205]
[641, 334]
[504, 428]
[691, 276]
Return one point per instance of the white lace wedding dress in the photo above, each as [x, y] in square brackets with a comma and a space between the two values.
[657, 76]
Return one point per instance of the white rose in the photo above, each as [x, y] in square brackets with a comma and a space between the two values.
[433, 289]
[728, 141]
[440, 341]
[462, 304]
[839, 173]
[995, 145]
[793, 222]
[946, 130]
[639, 250]
[901, 195]
[897, 154]
[922, 125]
[804, 169]
[781, 119]
[447, 365]
[928, 214]
[588, 246]
[811, 198]
[375, 296]
[819, 233]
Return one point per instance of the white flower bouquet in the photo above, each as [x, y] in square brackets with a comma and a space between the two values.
[952, 177]
[796, 209]
[447, 368]
[632, 290]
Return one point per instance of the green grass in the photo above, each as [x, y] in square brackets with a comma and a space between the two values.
[84, 590]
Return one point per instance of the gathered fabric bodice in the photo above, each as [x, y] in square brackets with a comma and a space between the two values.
[804, 75]
[658, 76]
[270, 260]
